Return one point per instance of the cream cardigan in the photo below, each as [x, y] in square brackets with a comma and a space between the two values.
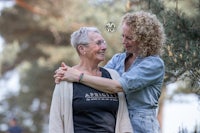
[61, 120]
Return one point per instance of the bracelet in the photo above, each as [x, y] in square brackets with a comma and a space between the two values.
[80, 77]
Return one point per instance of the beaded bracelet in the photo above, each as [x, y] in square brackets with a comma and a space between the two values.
[80, 77]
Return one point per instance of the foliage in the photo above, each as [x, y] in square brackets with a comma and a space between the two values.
[183, 47]
[38, 41]
[37, 34]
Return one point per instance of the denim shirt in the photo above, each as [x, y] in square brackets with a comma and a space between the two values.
[142, 82]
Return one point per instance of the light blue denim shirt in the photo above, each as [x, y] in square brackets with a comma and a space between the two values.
[142, 82]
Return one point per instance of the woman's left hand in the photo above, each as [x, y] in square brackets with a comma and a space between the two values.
[59, 73]
[71, 75]
[66, 73]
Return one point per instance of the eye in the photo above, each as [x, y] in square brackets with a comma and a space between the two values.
[129, 38]
[99, 42]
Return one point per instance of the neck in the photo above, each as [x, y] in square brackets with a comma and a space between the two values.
[91, 68]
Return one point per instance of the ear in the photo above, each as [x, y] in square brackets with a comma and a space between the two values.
[81, 49]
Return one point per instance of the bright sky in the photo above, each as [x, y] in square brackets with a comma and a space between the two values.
[6, 3]
[1, 44]
[184, 112]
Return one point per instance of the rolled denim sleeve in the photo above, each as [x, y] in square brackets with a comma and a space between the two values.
[149, 71]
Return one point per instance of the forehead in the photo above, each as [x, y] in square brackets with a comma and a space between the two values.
[94, 35]
[126, 29]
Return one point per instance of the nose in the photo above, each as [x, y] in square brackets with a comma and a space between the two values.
[104, 46]
[124, 39]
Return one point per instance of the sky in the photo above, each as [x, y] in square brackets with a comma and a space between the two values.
[10, 80]
[10, 83]
[1, 44]
[184, 112]
[4, 4]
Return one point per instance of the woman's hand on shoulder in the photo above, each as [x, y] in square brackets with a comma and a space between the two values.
[66, 73]
[59, 73]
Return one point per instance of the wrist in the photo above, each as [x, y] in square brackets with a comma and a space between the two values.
[80, 77]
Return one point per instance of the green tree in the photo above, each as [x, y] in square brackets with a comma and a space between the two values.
[37, 33]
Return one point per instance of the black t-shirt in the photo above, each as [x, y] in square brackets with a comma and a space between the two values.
[94, 111]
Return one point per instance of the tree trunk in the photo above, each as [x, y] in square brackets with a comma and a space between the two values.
[161, 106]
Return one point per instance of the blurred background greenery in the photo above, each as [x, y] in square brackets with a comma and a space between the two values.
[36, 38]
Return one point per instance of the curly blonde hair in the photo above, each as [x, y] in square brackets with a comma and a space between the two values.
[147, 30]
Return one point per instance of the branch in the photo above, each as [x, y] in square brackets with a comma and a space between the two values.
[31, 8]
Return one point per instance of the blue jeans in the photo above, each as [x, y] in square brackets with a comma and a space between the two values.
[144, 121]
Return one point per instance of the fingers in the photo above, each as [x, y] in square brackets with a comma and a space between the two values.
[57, 81]
[58, 78]
[63, 64]
[61, 70]
[59, 73]
[63, 67]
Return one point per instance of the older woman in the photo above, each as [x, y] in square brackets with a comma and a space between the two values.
[140, 67]
[78, 108]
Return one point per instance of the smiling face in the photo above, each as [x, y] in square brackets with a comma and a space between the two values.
[96, 48]
[128, 42]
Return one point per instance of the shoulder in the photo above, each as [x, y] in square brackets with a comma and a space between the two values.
[152, 61]
[110, 70]
[119, 55]
[63, 84]
[157, 58]
[114, 74]
[61, 87]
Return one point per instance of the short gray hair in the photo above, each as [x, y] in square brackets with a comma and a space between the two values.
[80, 37]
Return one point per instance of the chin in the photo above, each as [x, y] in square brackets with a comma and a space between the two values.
[129, 51]
[102, 59]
